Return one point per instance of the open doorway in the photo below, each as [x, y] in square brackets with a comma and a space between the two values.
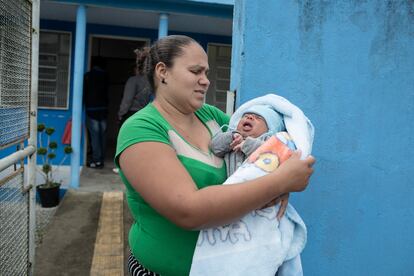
[119, 59]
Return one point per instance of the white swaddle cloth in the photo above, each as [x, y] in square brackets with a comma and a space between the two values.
[258, 243]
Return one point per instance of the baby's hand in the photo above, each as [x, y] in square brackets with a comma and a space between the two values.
[283, 200]
[238, 147]
[237, 140]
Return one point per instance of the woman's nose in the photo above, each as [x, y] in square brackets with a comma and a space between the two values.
[204, 81]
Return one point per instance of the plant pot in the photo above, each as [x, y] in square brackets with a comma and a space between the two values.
[49, 195]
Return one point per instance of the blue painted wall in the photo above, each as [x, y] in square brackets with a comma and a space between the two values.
[350, 66]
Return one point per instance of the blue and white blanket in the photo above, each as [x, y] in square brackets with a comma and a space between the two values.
[258, 243]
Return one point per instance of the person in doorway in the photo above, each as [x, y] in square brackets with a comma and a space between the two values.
[172, 179]
[136, 95]
[95, 97]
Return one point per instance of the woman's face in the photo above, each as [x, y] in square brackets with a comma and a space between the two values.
[252, 125]
[186, 81]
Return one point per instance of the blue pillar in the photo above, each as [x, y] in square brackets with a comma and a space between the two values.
[163, 25]
[77, 94]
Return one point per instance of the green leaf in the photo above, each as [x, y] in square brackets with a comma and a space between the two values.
[50, 130]
[68, 150]
[41, 127]
[42, 151]
[53, 145]
[51, 155]
[46, 168]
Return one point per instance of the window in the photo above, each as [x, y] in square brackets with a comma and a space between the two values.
[219, 57]
[54, 61]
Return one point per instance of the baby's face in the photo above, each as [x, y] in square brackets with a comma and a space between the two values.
[252, 125]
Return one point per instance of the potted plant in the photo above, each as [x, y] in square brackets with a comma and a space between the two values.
[50, 189]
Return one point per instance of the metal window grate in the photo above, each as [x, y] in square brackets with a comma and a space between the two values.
[14, 226]
[220, 61]
[15, 70]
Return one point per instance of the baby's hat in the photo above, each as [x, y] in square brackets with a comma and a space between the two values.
[274, 119]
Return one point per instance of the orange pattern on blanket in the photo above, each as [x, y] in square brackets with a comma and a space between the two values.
[273, 146]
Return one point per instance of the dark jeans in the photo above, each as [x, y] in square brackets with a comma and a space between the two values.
[97, 132]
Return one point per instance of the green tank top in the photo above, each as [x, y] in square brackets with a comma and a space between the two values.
[158, 244]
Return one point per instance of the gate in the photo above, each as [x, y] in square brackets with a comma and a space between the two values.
[19, 29]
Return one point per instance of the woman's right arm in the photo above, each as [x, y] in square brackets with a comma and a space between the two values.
[155, 172]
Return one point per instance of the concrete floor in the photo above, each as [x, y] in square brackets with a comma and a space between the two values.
[68, 242]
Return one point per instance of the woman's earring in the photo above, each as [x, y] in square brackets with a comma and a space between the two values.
[163, 81]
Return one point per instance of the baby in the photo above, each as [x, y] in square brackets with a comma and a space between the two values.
[260, 242]
[266, 234]
[258, 123]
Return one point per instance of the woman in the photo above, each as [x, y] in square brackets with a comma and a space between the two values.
[171, 176]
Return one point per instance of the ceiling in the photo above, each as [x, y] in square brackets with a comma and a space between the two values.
[137, 18]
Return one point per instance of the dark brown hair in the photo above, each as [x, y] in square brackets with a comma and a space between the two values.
[164, 50]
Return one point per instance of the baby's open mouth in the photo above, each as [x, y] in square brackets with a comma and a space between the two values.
[247, 126]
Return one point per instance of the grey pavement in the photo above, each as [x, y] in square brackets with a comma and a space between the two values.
[66, 242]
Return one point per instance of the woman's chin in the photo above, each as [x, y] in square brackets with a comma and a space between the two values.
[197, 103]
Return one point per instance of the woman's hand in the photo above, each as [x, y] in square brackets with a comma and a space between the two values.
[283, 200]
[296, 172]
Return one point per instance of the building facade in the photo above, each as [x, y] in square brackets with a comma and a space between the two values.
[74, 32]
